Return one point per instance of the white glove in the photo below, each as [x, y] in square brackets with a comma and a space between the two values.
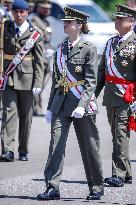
[48, 116]
[78, 112]
[133, 107]
[36, 91]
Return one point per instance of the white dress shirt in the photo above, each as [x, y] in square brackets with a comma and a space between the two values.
[22, 28]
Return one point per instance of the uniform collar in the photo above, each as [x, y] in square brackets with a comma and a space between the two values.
[22, 28]
[124, 37]
[74, 43]
[130, 38]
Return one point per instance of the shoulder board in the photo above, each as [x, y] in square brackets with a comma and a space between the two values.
[36, 21]
[38, 29]
[87, 43]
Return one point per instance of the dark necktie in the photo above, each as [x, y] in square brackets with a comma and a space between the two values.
[17, 32]
[70, 47]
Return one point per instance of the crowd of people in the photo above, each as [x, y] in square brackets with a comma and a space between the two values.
[76, 85]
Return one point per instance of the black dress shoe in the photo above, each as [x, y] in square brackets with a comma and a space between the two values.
[114, 181]
[94, 196]
[7, 157]
[49, 194]
[23, 157]
[128, 180]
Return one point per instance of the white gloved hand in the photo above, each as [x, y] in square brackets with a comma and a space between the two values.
[78, 112]
[36, 91]
[48, 116]
[133, 107]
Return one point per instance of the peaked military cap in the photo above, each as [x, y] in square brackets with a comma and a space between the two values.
[125, 11]
[44, 3]
[74, 14]
[19, 4]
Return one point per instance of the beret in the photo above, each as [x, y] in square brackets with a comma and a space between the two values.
[20, 4]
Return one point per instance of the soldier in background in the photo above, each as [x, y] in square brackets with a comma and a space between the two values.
[23, 83]
[116, 72]
[31, 4]
[6, 10]
[43, 9]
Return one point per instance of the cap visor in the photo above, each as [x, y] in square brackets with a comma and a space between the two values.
[119, 15]
[68, 19]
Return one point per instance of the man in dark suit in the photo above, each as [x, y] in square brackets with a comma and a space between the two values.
[23, 82]
[72, 100]
[117, 71]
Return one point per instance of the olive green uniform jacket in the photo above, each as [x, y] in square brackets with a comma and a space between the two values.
[82, 64]
[18, 97]
[124, 59]
[87, 71]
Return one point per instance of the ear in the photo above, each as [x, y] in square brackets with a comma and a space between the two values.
[27, 13]
[79, 25]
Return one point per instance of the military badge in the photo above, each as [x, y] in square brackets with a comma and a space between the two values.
[128, 51]
[124, 63]
[132, 57]
[78, 69]
[114, 58]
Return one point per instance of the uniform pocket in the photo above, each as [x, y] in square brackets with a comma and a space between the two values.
[26, 67]
[26, 70]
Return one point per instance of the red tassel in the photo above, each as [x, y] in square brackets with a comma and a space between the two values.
[129, 93]
[131, 123]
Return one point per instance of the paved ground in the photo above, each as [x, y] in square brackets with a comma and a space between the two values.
[20, 182]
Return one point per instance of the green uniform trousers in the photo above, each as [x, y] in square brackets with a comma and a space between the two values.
[16, 104]
[118, 118]
[88, 139]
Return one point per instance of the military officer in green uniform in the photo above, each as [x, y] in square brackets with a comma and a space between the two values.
[116, 71]
[40, 19]
[72, 100]
[23, 83]
[31, 4]
[5, 12]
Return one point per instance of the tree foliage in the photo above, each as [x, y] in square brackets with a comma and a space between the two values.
[109, 5]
